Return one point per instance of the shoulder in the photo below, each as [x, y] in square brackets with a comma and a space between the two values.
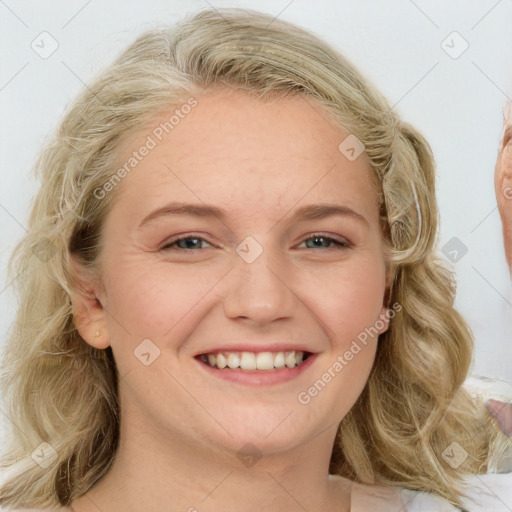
[386, 498]
[419, 501]
[482, 493]
[490, 491]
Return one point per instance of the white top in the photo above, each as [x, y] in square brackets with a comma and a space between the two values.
[491, 492]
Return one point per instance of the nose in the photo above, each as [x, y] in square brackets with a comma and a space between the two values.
[260, 292]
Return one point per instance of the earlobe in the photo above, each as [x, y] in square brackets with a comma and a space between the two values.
[101, 339]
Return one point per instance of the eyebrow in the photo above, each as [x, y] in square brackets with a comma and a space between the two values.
[310, 212]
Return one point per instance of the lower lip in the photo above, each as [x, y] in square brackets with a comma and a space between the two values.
[259, 377]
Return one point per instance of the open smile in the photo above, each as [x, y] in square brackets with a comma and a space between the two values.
[256, 368]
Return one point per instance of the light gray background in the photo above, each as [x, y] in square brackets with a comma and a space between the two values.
[456, 102]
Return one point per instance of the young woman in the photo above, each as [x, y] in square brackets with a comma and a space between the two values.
[230, 297]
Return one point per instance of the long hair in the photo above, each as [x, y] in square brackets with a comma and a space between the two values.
[61, 394]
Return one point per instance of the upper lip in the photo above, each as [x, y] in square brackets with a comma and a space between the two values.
[257, 347]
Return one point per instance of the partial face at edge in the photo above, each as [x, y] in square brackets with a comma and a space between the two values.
[260, 278]
[503, 183]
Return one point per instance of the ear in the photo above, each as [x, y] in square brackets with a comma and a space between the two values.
[89, 315]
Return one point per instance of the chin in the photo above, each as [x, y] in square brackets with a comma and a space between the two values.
[268, 430]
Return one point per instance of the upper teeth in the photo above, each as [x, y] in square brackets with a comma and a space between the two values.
[254, 361]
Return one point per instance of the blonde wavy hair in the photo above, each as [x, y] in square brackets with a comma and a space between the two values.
[61, 391]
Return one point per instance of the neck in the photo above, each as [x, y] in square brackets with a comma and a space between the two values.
[151, 469]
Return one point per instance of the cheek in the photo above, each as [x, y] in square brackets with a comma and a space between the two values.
[351, 309]
[154, 300]
[352, 303]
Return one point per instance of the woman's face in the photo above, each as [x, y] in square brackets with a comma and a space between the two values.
[503, 183]
[244, 232]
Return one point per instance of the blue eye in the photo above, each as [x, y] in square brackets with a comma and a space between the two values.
[193, 243]
[187, 245]
[321, 239]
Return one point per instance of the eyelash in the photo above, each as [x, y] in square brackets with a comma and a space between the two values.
[341, 245]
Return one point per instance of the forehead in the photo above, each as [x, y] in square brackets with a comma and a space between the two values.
[235, 146]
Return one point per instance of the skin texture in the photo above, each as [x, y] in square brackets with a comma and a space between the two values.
[182, 429]
[502, 411]
[503, 183]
